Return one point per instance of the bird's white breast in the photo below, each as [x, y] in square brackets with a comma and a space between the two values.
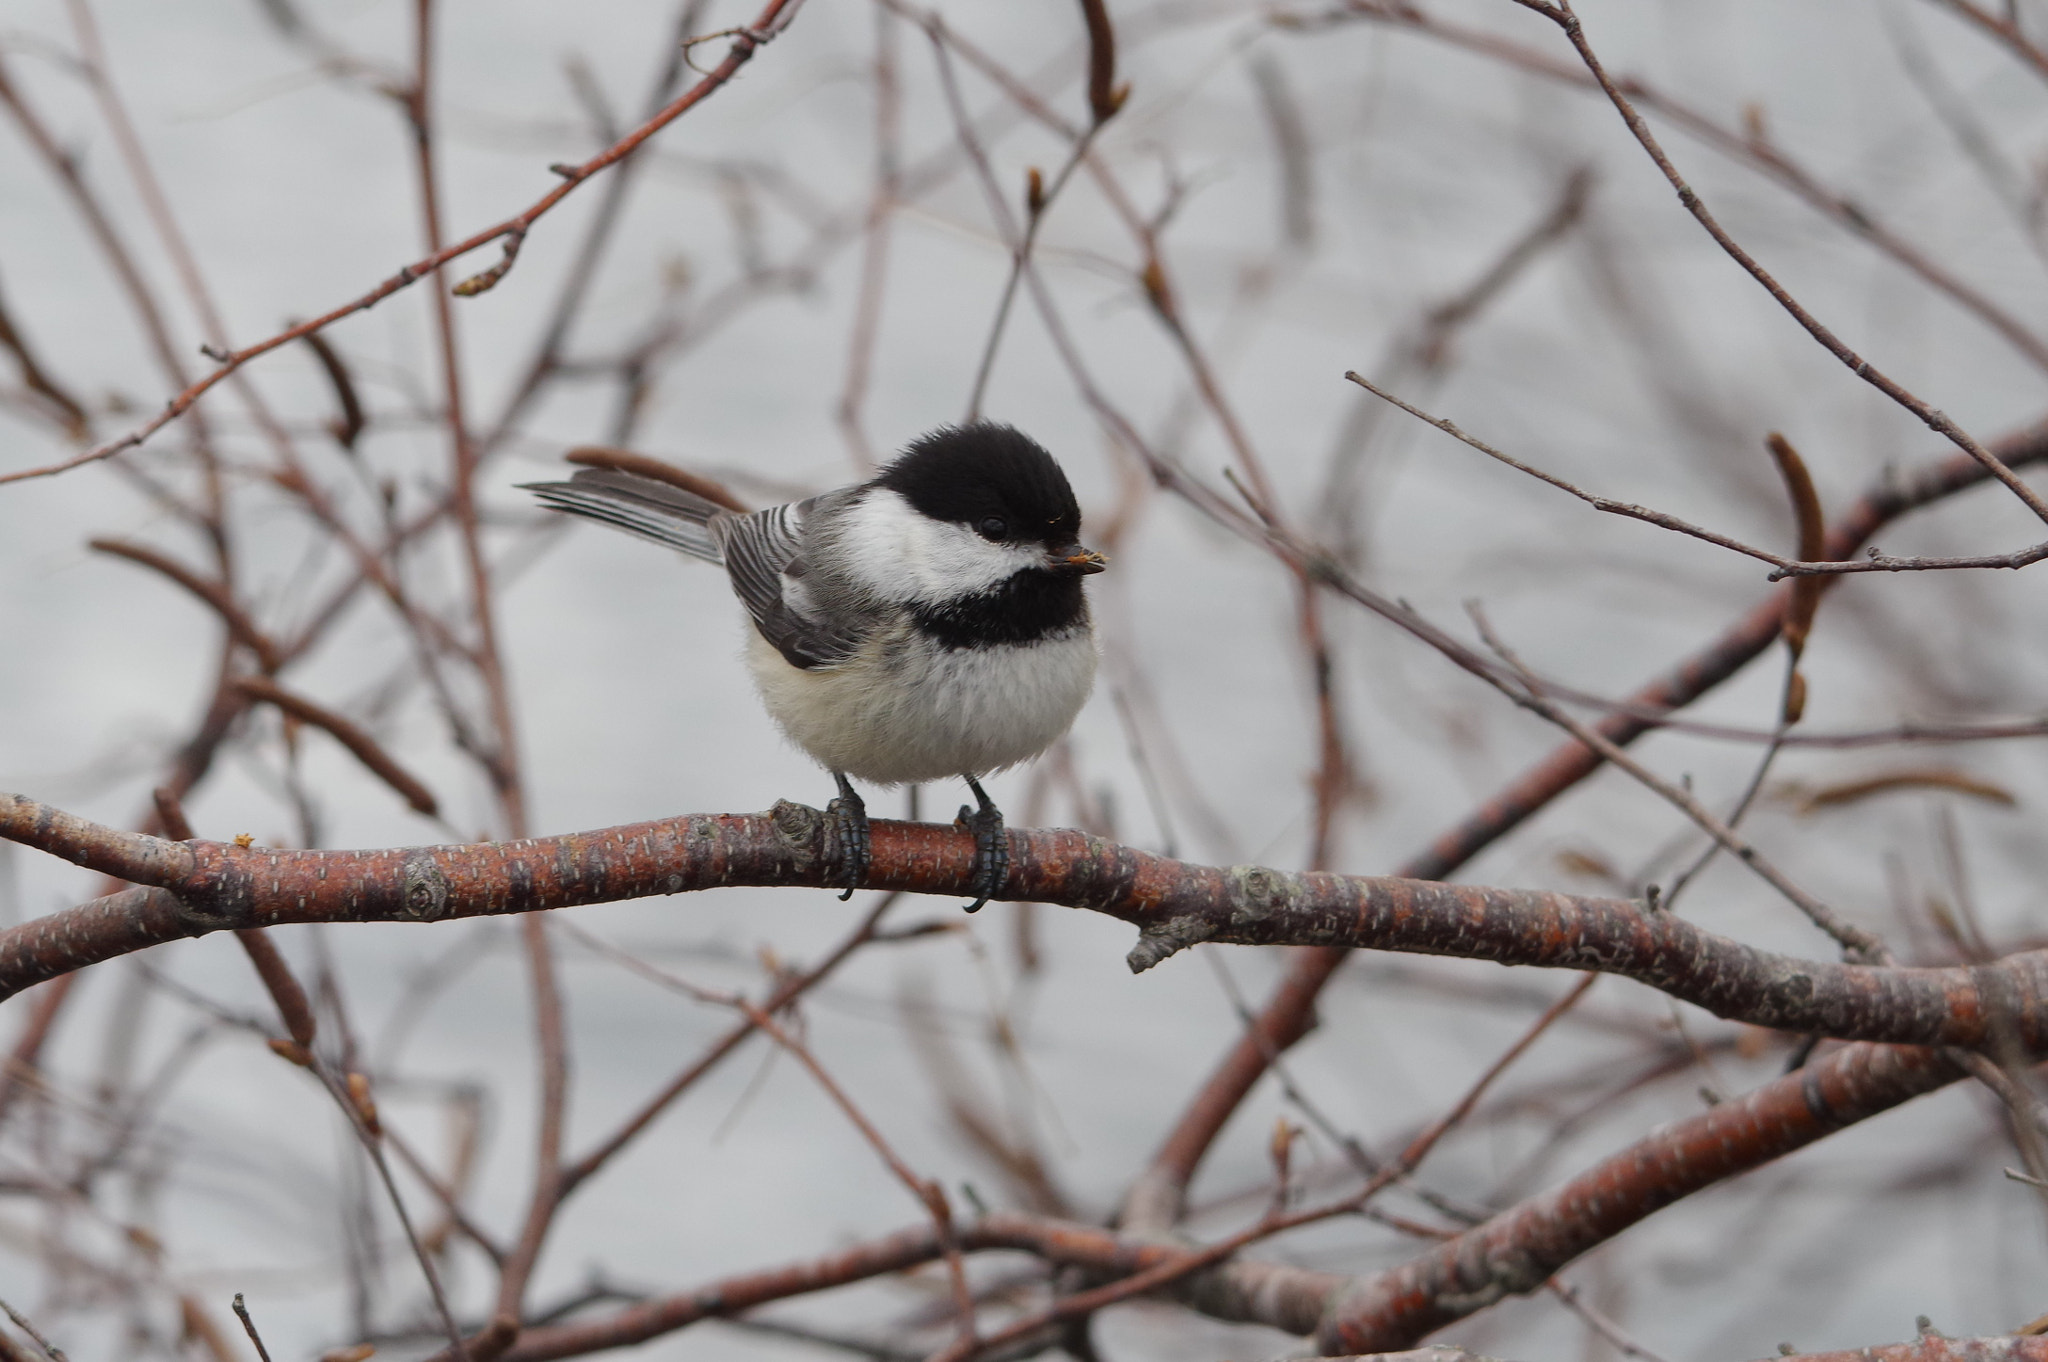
[902, 710]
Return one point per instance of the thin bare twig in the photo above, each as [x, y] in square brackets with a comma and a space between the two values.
[249, 1326]
[928, 1192]
[240, 626]
[1751, 146]
[787, 991]
[1561, 14]
[1598, 503]
[746, 41]
[361, 745]
[50, 1350]
[1853, 938]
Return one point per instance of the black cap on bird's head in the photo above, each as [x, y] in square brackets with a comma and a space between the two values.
[998, 482]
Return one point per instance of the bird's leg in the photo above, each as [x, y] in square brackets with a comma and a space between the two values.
[851, 844]
[991, 846]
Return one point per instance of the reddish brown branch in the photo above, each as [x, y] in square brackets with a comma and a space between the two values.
[22, 1061]
[360, 744]
[214, 594]
[551, 1041]
[37, 379]
[292, 1004]
[1928, 1348]
[2005, 29]
[201, 887]
[500, 757]
[1516, 1252]
[1933, 1347]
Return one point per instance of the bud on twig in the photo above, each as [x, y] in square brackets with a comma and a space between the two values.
[1812, 540]
[366, 1108]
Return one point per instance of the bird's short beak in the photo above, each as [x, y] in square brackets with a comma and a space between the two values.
[1076, 559]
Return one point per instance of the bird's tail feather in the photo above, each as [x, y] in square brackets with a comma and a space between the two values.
[626, 501]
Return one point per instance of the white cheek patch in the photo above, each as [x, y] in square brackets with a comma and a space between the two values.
[902, 555]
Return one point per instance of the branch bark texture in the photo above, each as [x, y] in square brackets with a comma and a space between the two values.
[188, 889]
[1517, 1251]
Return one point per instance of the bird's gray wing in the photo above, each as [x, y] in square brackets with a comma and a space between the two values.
[764, 556]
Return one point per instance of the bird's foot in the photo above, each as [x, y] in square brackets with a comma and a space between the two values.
[991, 847]
[851, 844]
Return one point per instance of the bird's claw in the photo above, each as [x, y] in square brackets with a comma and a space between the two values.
[851, 847]
[991, 851]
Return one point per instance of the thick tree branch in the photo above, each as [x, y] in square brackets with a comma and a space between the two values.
[1517, 1251]
[1928, 1348]
[192, 888]
[1932, 1347]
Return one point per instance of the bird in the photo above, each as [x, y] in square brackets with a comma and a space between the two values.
[926, 624]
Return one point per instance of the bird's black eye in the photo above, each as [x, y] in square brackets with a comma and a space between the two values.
[993, 527]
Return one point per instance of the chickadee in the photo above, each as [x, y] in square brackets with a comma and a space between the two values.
[924, 624]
